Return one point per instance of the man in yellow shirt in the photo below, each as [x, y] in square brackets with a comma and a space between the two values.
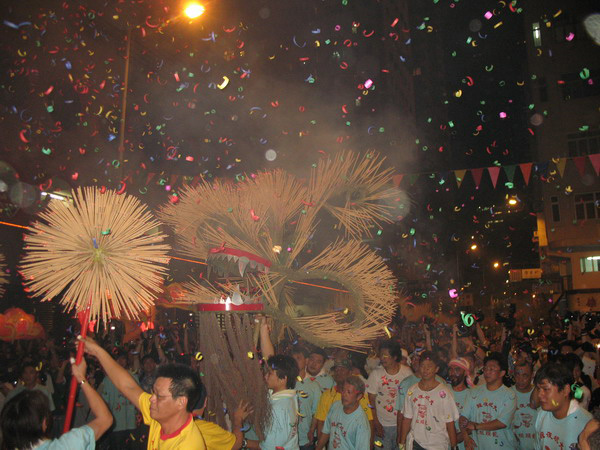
[341, 371]
[168, 410]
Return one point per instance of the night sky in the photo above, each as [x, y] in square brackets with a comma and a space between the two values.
[209, 98]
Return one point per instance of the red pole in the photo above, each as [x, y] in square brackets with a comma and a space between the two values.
[73, 388]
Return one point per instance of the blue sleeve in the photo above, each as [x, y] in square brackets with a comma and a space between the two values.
[400, 398]
[81, 438]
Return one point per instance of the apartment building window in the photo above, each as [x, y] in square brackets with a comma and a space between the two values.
[555, 207]
[583, 143]
[587, 206]
[537, 34]
[589, 264]
[574, 86]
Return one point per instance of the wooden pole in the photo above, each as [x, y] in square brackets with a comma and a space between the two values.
[73, 387]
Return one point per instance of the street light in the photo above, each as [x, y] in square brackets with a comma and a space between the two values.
[473, 246]
[496, 264]
[194, 10]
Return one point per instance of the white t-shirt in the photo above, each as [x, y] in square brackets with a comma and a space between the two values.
[385, 388]
[429, 412]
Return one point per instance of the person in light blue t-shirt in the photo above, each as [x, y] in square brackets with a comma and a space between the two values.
[314, 369]
[523, 424]
[458, 375]
[561, 419]
[27, 421]
[308, 393]
[489, 409]
[280, 378]
[347, 426]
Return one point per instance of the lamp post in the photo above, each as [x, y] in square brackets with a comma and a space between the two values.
[192, 11]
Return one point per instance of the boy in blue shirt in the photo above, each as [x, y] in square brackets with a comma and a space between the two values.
[489, 409]
[280, 378]
[561, 419]
[346, 426]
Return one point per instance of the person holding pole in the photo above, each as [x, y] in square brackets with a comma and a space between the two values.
[27, 421]
[168, 410]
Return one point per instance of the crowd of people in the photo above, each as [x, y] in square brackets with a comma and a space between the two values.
[426, 386]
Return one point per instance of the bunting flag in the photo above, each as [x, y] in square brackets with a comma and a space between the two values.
[176, 181]
[595, 161]
[477, 173]
[397, 179]
[460, 176]
[510, 172]
[560, 165]
[494, 172]
[580, 164]
[526, 171]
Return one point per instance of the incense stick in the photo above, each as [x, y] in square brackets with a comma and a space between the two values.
[104, 244]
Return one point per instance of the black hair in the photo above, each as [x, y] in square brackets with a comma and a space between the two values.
[284, 366]
[499, 358]
[572, 344]
[430, 356]
[300, 349]
[318, 351]
[24, 366]
[571, 360]
[556, 374]
[355, 381]
[393, 347]
[23, 418]
[184, 382]
[149, 356]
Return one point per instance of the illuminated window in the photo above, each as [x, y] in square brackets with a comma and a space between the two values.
[589, 264]
[537, 34]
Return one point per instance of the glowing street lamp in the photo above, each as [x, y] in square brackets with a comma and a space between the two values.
[496, 264]
[473, 246]
[194, 10]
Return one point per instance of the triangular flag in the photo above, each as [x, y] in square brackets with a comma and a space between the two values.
[560, 165]
[580, 163]
[460, 176]
[510, 172]
[413, 178]
[595, 161]
[397, 179]
[477, 173]
[494, 172]
[149, 177]
[526, 171]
